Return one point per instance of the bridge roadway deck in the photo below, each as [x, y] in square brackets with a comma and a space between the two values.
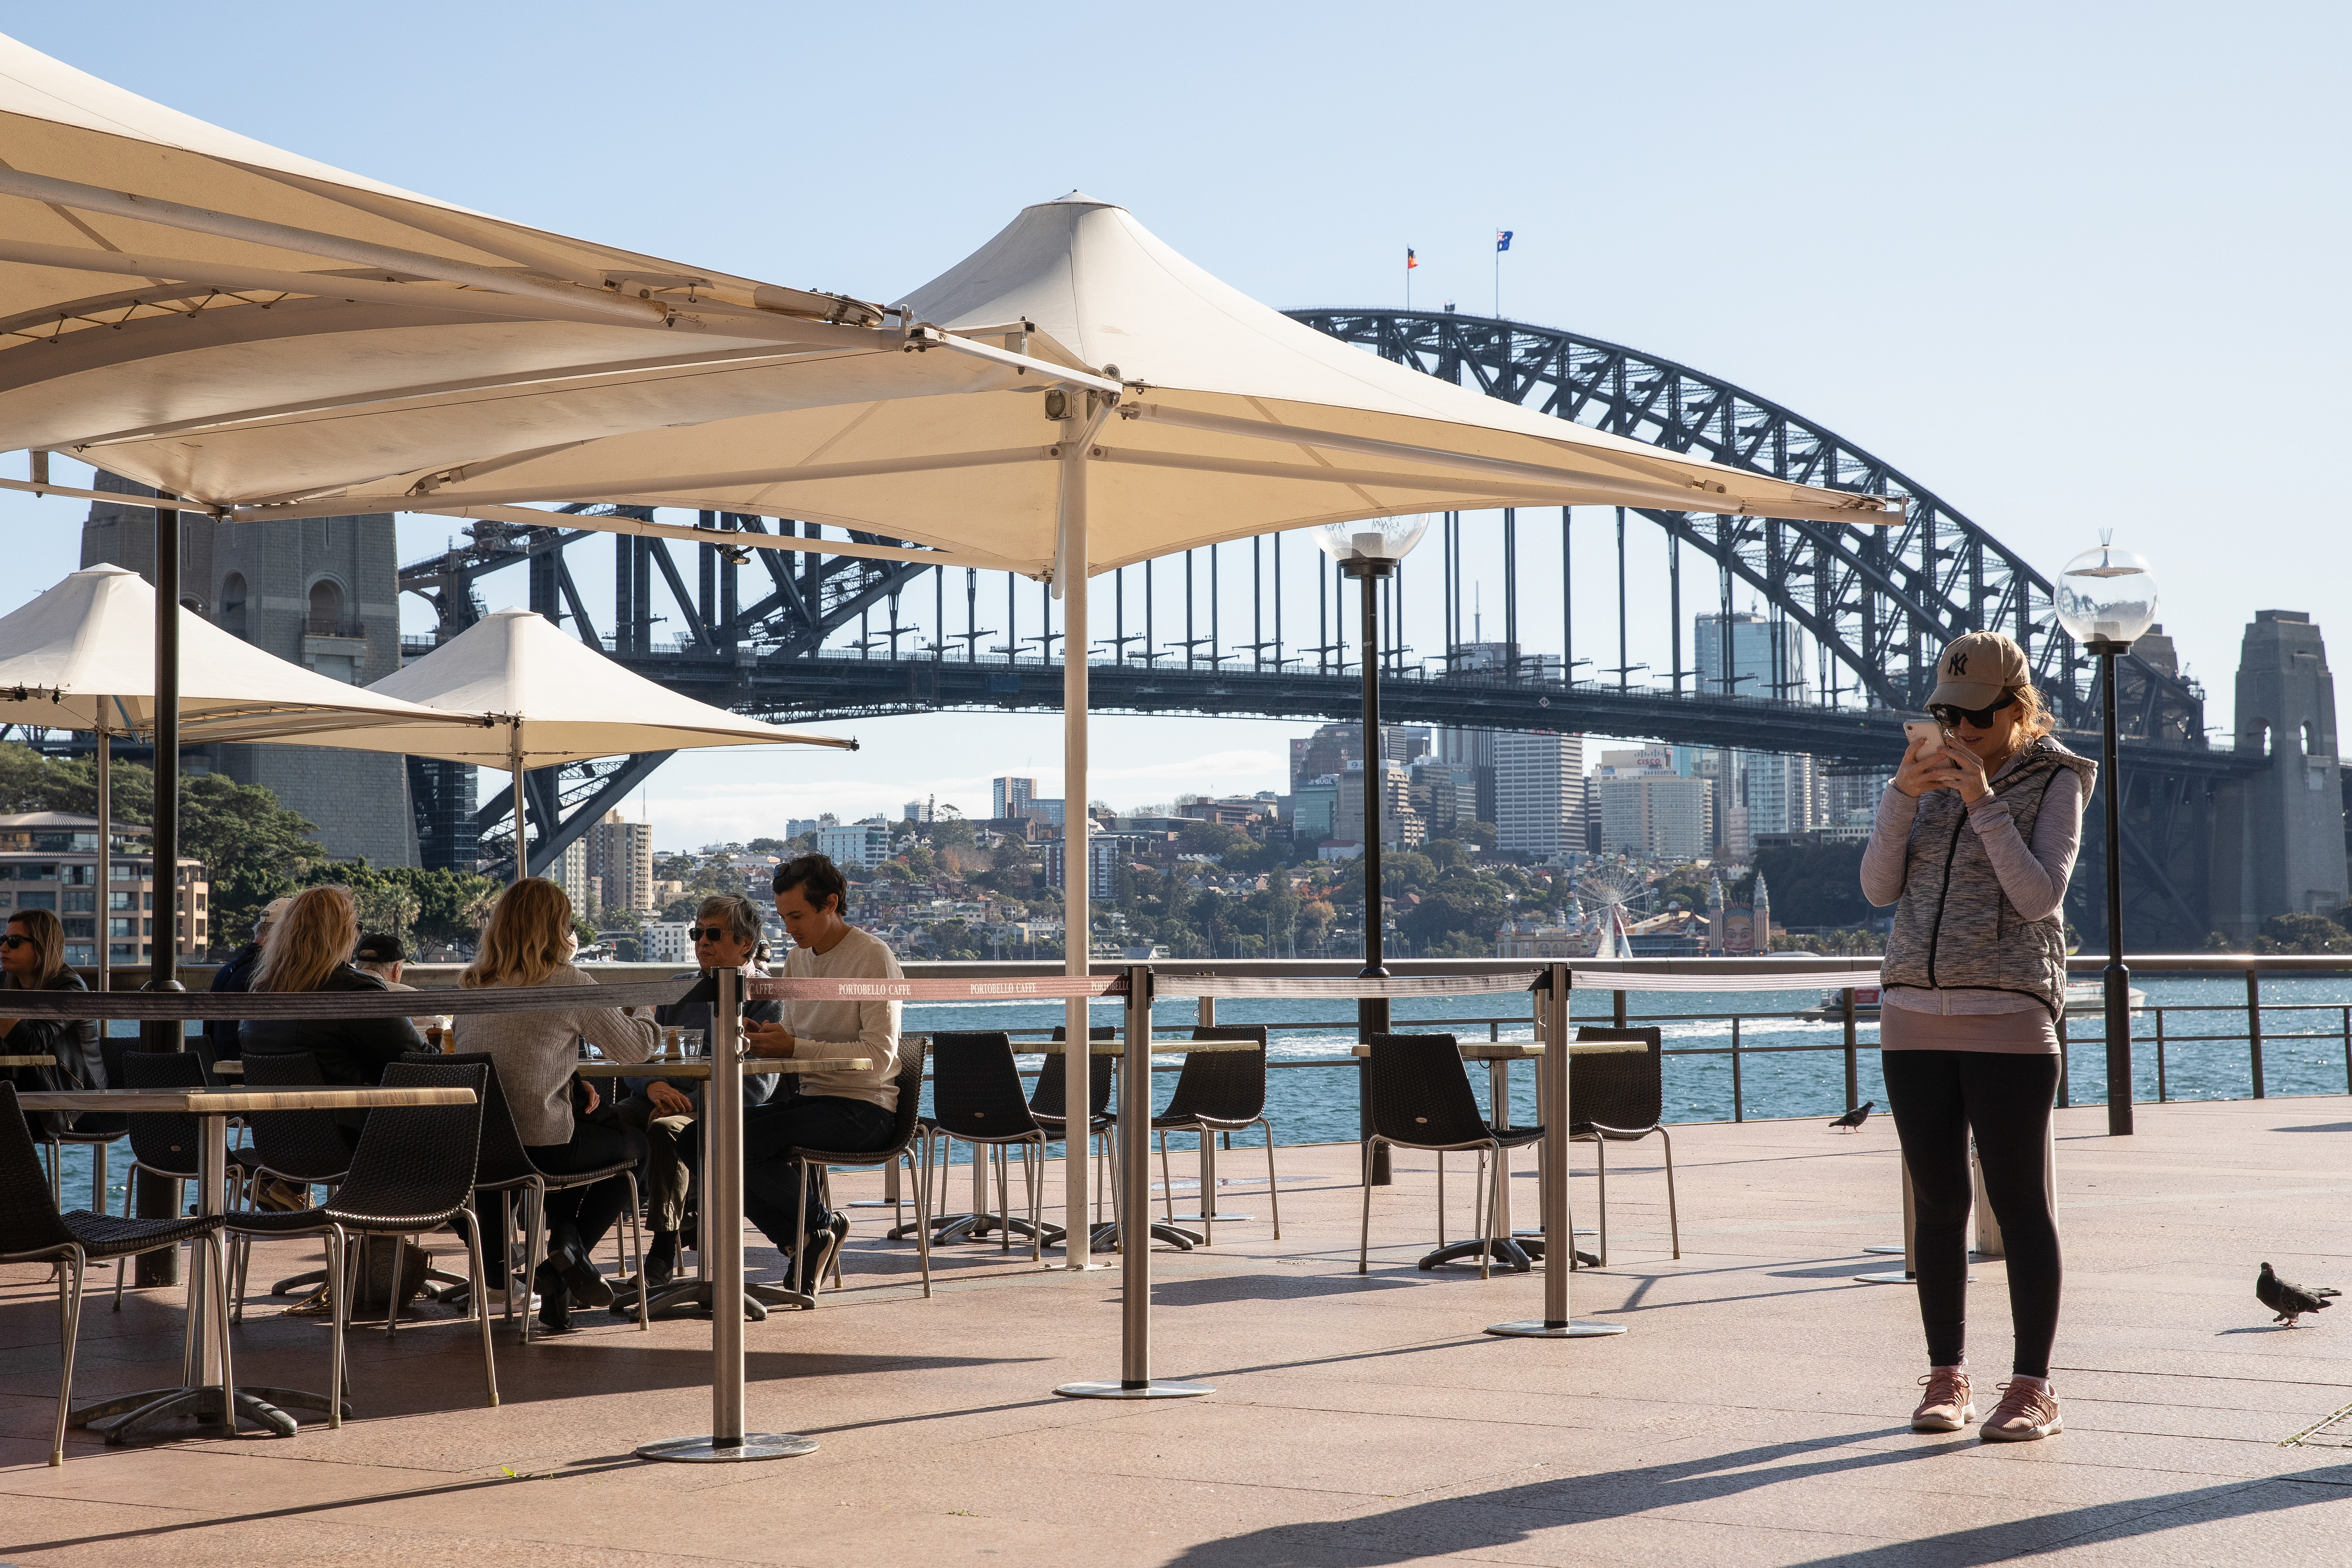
[837, 686]
[1755, 1414]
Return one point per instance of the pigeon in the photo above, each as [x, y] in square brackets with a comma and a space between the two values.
[2290, 1301]
[1857, 1116]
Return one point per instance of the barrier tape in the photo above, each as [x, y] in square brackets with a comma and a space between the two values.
[1179, 985]
[1582, 979]
[1043, 988]
[258, 1006]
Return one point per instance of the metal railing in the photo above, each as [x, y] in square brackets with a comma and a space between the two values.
[2160, 1032]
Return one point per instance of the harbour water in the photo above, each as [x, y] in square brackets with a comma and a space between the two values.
[1311, 1097]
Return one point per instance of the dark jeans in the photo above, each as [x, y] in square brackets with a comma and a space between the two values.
[590, 1210]
[1938, 1098]
[772, 1137]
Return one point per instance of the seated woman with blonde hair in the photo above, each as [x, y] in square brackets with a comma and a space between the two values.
[529, 940]
[308, 949]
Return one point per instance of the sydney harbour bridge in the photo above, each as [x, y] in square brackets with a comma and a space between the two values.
[806, 636]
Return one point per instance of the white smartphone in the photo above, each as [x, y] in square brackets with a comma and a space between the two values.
[1918, 730]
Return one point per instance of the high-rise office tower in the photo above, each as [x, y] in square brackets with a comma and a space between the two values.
[1538, 792]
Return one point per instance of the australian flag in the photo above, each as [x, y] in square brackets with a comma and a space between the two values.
[1502, 239]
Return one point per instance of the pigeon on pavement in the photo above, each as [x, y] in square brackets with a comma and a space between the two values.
[1857, 1116]
[2290, 1301]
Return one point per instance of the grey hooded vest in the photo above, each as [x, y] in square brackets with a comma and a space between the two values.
[1955, 929]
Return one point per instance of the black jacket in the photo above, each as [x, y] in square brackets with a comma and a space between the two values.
[73, 1041]
[236, 974]
[350, 1051]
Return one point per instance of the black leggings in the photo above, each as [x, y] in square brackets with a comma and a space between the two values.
[1938, 1098]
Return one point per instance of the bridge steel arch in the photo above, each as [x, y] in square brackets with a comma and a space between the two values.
[1881, 601]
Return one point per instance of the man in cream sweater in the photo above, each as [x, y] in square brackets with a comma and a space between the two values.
[842, 1111]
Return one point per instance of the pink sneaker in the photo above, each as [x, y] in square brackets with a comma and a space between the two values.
[2026, 1415]
[1946, 1407]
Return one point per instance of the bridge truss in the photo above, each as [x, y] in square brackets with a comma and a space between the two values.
[760, 630]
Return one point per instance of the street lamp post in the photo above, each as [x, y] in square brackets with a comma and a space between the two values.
[2106, 601]
[1368, 551]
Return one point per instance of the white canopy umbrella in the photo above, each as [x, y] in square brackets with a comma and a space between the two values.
[1232, 420]
[231, 323]
[81, 655]
[551, 698]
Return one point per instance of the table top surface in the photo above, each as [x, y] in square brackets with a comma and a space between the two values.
[1118, 1047]
[699, 1066]
[228, 1069]
[239, 1102]
[1521, 1051]
[27, 1061]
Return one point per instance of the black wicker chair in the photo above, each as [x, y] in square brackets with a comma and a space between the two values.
[165, 1142]
[96, 1130]
[413, 1172]
[976, 1097]
[1218, 1091]
[33, 1231]
[1620, 1097]
[1049, 1103]
[815, 1163]
[506, 1169]
[1421, 1099]
[304, 1147]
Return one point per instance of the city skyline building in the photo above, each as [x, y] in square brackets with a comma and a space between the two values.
[620, 857]
[1538, 792]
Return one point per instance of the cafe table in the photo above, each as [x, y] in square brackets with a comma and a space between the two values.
[1107, 1235]
[1517, 1251]
[690, 1297]
[198, 1393]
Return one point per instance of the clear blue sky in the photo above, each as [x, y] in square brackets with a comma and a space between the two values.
[2073, 267]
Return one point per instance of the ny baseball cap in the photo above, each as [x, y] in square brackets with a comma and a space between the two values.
[1977, 668]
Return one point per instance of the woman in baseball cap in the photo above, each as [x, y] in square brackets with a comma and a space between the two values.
[1974, 843]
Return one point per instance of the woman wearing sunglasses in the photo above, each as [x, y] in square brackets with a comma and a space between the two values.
[1974, 843]
[33, 958]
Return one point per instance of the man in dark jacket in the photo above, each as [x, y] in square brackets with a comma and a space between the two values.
[236, 974]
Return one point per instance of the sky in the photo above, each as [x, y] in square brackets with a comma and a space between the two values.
[2073, 267]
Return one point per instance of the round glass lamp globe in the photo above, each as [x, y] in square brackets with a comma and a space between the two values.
[2107, 595]
[1378, 543]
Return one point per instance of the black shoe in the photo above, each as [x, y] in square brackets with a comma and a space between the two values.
[589, 1289]
[661, 1258]
[818, 1250]
[554, 1301]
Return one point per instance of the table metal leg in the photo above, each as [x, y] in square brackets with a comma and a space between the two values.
[1551, 1078]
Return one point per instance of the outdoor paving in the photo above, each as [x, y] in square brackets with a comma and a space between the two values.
[1755, 1415]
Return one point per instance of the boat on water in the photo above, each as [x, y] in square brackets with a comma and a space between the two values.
[2084, 999]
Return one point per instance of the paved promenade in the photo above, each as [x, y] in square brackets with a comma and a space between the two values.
[1755, 1414]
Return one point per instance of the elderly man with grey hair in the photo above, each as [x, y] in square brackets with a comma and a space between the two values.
[726, 935]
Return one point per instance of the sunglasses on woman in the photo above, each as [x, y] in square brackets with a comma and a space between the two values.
[1944, 713]
[13, 942]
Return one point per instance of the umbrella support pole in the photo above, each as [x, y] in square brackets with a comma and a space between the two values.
[722, 1210]
[1134, 1381]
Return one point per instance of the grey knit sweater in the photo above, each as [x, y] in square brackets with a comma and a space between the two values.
[536, 1053]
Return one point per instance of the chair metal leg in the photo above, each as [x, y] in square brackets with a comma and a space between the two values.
[339, 1309]
[1004, 1203]
[637, 1240]
[1483, 1209]
[1441, 1199]
[482, 1304]
[392, 1299]
[123, 1265]
[1273, 1194]
[1364, 1242]
[922, 1217]
[69, 1331]
[535, 1196]
[1600, 1162]
[1673, 1221]
[1167, 1182]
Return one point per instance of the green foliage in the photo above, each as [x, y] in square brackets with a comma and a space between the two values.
[1816, 884]
[2302, 933]
[423, 908]
[767, 845]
